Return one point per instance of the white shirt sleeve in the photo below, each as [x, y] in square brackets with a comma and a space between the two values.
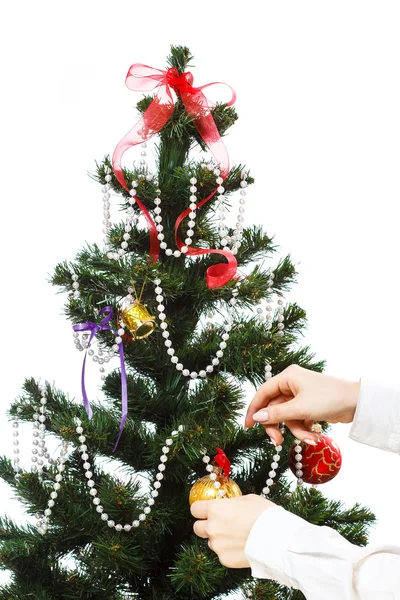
[318, 560]
[377, 418]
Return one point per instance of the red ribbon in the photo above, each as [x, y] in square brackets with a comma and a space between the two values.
[223, 462]
[144, 78]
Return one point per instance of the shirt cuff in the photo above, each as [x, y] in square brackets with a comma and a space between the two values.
[268, 542]
[377, 418]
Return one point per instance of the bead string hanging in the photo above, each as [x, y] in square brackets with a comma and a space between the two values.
[268, 374]
[92, 486]
[236, 238]
[212, 475]
[225, 336]
[106, 209]
[39, 450]
[132, 217]
[191, 223]
[39, 453]
[227, 326]
[103, 354]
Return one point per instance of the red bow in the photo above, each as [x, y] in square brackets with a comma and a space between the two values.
[144, 78]
[223, 462]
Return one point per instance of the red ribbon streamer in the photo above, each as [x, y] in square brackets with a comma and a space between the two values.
[223, 462]
[144, 78]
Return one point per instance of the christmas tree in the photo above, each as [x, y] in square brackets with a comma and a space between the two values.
[122, 528]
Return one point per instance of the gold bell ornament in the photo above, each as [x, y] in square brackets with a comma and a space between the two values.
[135, 316]
[205, 488]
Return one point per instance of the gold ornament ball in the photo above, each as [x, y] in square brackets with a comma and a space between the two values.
[204, 489]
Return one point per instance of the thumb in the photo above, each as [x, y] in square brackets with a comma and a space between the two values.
[290, 410]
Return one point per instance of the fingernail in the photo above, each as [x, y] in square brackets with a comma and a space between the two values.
[246, 428]
[261, 415]
[310, 442]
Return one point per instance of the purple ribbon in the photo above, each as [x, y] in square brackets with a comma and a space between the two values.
[94, 328]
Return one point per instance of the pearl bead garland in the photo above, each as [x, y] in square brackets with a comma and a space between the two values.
[75, 286]
[268, 374]
[39, 449]
[106, 209]
[299, 464]
[212, 475]
[171, 351]
[191, 223]
[156, 484]
[43, 521]
[267, 317]
[130, 219]
[39, 453]
[37, 466]
[103, 354]
[236, 238]
[16, 459]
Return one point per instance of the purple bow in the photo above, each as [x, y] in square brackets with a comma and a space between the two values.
[94, 328]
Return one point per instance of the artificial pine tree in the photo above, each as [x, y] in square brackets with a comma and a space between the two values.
[161, 559]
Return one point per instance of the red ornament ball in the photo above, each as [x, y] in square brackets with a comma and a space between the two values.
[320, 463]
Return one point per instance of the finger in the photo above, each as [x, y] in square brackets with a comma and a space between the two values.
[275, 413]
[200, 529]
[308, 424]
[266, 392]
[261, 403]
[302, 432]
[273, 430]
[200, 508]
[210, 545]
[274, 434]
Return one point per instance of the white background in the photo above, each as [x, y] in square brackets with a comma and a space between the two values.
[318, 100]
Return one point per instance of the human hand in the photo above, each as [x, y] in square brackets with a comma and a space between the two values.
[299, 397]
[227, 523]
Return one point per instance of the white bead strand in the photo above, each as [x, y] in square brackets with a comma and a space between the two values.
[278, 449]
[280, 318]
[212, 475]
[269, 307]
[106, 209]
[274, 466]
[222, 229]
[156, 484]
[233, 242]
[143, 159]
[103, 354]
[39, 454]
[168, 344]
[16, 459]
[75, 286]
[299, 465]
[267, 317]
[43, 522]
[130, 222]
[192, 216]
